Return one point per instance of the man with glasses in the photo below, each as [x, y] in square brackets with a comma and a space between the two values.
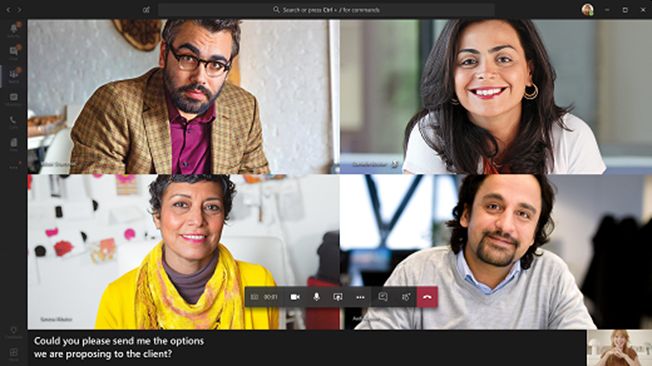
[180, 118]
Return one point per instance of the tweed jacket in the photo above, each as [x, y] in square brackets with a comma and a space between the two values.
[124, 128]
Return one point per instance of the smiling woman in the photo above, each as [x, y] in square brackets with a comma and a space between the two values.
[620, 352]
[488, 95]
[189, 280]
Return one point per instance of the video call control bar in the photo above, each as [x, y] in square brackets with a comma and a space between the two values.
[341, 297]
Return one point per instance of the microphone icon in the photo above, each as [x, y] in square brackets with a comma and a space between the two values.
[316, 296]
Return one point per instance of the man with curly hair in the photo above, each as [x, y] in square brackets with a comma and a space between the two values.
[494, 274]
[182, 117]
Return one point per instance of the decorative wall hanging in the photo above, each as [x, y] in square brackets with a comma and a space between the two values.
[143, 34]
[56, 186]
[68, 242]
[103, 251]
[126, 184]
[78, 210]
[259, 178]
[129, 234]
[40, 251]
[63, 247]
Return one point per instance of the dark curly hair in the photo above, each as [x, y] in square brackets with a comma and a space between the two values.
[470, 186]
[213, 25]
[160, 184]
[447, 129]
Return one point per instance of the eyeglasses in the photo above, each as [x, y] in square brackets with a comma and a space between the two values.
[191, 63]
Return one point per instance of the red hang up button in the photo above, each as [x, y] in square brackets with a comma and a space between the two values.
[427, 297]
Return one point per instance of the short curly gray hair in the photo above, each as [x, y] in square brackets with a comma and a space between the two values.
[160, 184]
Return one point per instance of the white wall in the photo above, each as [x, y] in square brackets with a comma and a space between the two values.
[71, 286]
[307, 216]
[69, 59]
[284, 64]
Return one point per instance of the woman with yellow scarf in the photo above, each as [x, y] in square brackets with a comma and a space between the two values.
[189, 280]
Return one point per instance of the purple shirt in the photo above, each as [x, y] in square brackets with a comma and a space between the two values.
[190, 140]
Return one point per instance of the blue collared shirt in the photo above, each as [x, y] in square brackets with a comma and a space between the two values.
[465, 272]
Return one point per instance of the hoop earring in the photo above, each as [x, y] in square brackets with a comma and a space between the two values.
[455, 101]
[533, 95]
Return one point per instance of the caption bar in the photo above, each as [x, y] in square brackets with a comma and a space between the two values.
[75, 348]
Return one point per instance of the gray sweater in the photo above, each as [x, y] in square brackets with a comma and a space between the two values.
[544, 296]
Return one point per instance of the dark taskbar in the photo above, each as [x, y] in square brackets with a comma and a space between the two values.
[550, 9]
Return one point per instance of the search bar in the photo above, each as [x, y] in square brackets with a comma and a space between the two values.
[311, 10]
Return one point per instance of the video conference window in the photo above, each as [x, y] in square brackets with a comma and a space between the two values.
[587, 103]
[518, 255]
[619, 347]
[101, 94]
[499, 171]
[135, 251]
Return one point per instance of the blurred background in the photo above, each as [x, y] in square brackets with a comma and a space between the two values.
[603, 231]
[85, 231]
[599, 72]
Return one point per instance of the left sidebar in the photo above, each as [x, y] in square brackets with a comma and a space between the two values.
[13, 93]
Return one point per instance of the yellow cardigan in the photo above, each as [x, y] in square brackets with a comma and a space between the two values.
[117, 309]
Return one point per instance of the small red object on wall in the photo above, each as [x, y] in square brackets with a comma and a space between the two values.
[63, 247]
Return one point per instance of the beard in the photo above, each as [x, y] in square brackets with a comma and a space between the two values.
[185, 104]
[494, 255]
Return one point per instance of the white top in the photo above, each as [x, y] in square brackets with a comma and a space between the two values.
[575, 151]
